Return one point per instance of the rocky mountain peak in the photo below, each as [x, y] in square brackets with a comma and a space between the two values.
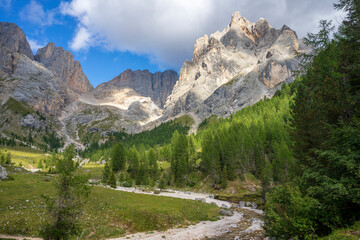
[234, 68]
[62, 63]
[14, 39]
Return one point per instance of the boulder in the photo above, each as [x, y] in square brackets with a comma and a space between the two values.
[226, 212]
[242, 204]
[225, 206]
[3, 173]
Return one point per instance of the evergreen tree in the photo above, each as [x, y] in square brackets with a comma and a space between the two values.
[133, 162]
[153, 167]
[106, 173]
[8, 158]
[180, 162]
[40, 165]
[66, 209]
[118, 157]
[112, 180]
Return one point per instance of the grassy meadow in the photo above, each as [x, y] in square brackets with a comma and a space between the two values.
[108, 213]
[28, 157]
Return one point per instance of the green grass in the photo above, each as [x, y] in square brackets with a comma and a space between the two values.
[28, 157]
[16, 106]
[93, 170]
[108, 213]
[184, 120]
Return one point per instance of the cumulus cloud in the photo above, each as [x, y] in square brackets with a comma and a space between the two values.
[35, 13]
[166, 30]
[35, 45]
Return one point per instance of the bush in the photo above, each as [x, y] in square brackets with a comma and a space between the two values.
[288, 214]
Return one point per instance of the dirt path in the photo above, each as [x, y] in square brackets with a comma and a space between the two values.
[246, 222]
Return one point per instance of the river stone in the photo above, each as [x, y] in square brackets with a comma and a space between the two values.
[248, 204]
[3, 173]
[242, 204]
[225, 206]
[199, 199]
[226, 212]
[254, 205]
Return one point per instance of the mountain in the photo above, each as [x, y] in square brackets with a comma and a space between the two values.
[229, 70]
[63, 65]
[234, 68]
[158, 86]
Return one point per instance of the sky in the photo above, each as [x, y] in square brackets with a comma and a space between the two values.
[110, 36]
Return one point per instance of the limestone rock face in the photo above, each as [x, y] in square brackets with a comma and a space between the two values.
[234, 68]
[157, 86]
[63, 65]
[14, 39]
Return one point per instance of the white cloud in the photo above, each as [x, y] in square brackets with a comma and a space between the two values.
[166, 30]
[82, 39]
[35, 13]
[35, 45]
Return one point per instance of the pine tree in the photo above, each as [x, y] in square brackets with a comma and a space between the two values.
[66, 209]
[40, 165]
[112, 180]
[133, 162]
[153, 167]
[118, 157]
[106, 173]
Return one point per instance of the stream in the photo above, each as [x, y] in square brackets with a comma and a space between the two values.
[246, 223]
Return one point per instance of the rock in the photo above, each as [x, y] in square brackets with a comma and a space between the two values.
[213, 203]
[3, 173]
[203, 201]
[103, 162]
[226, 212]
[236, 238]
[158, 86]
[248, 204]
[254, 205]
[234, 68]
[225, 206]
[242, 204]
[62, 63]
[199, 199]
[94, 181]
[14, 39]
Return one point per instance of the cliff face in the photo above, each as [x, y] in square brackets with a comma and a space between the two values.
[158, 86]
[62, 64]
[234, 68]
[14, 39]
[13, 43]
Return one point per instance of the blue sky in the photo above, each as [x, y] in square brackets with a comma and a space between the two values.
[110, 36]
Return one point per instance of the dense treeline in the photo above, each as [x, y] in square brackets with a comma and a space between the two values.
[252, 140]
[158, 136]
[325, 129]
